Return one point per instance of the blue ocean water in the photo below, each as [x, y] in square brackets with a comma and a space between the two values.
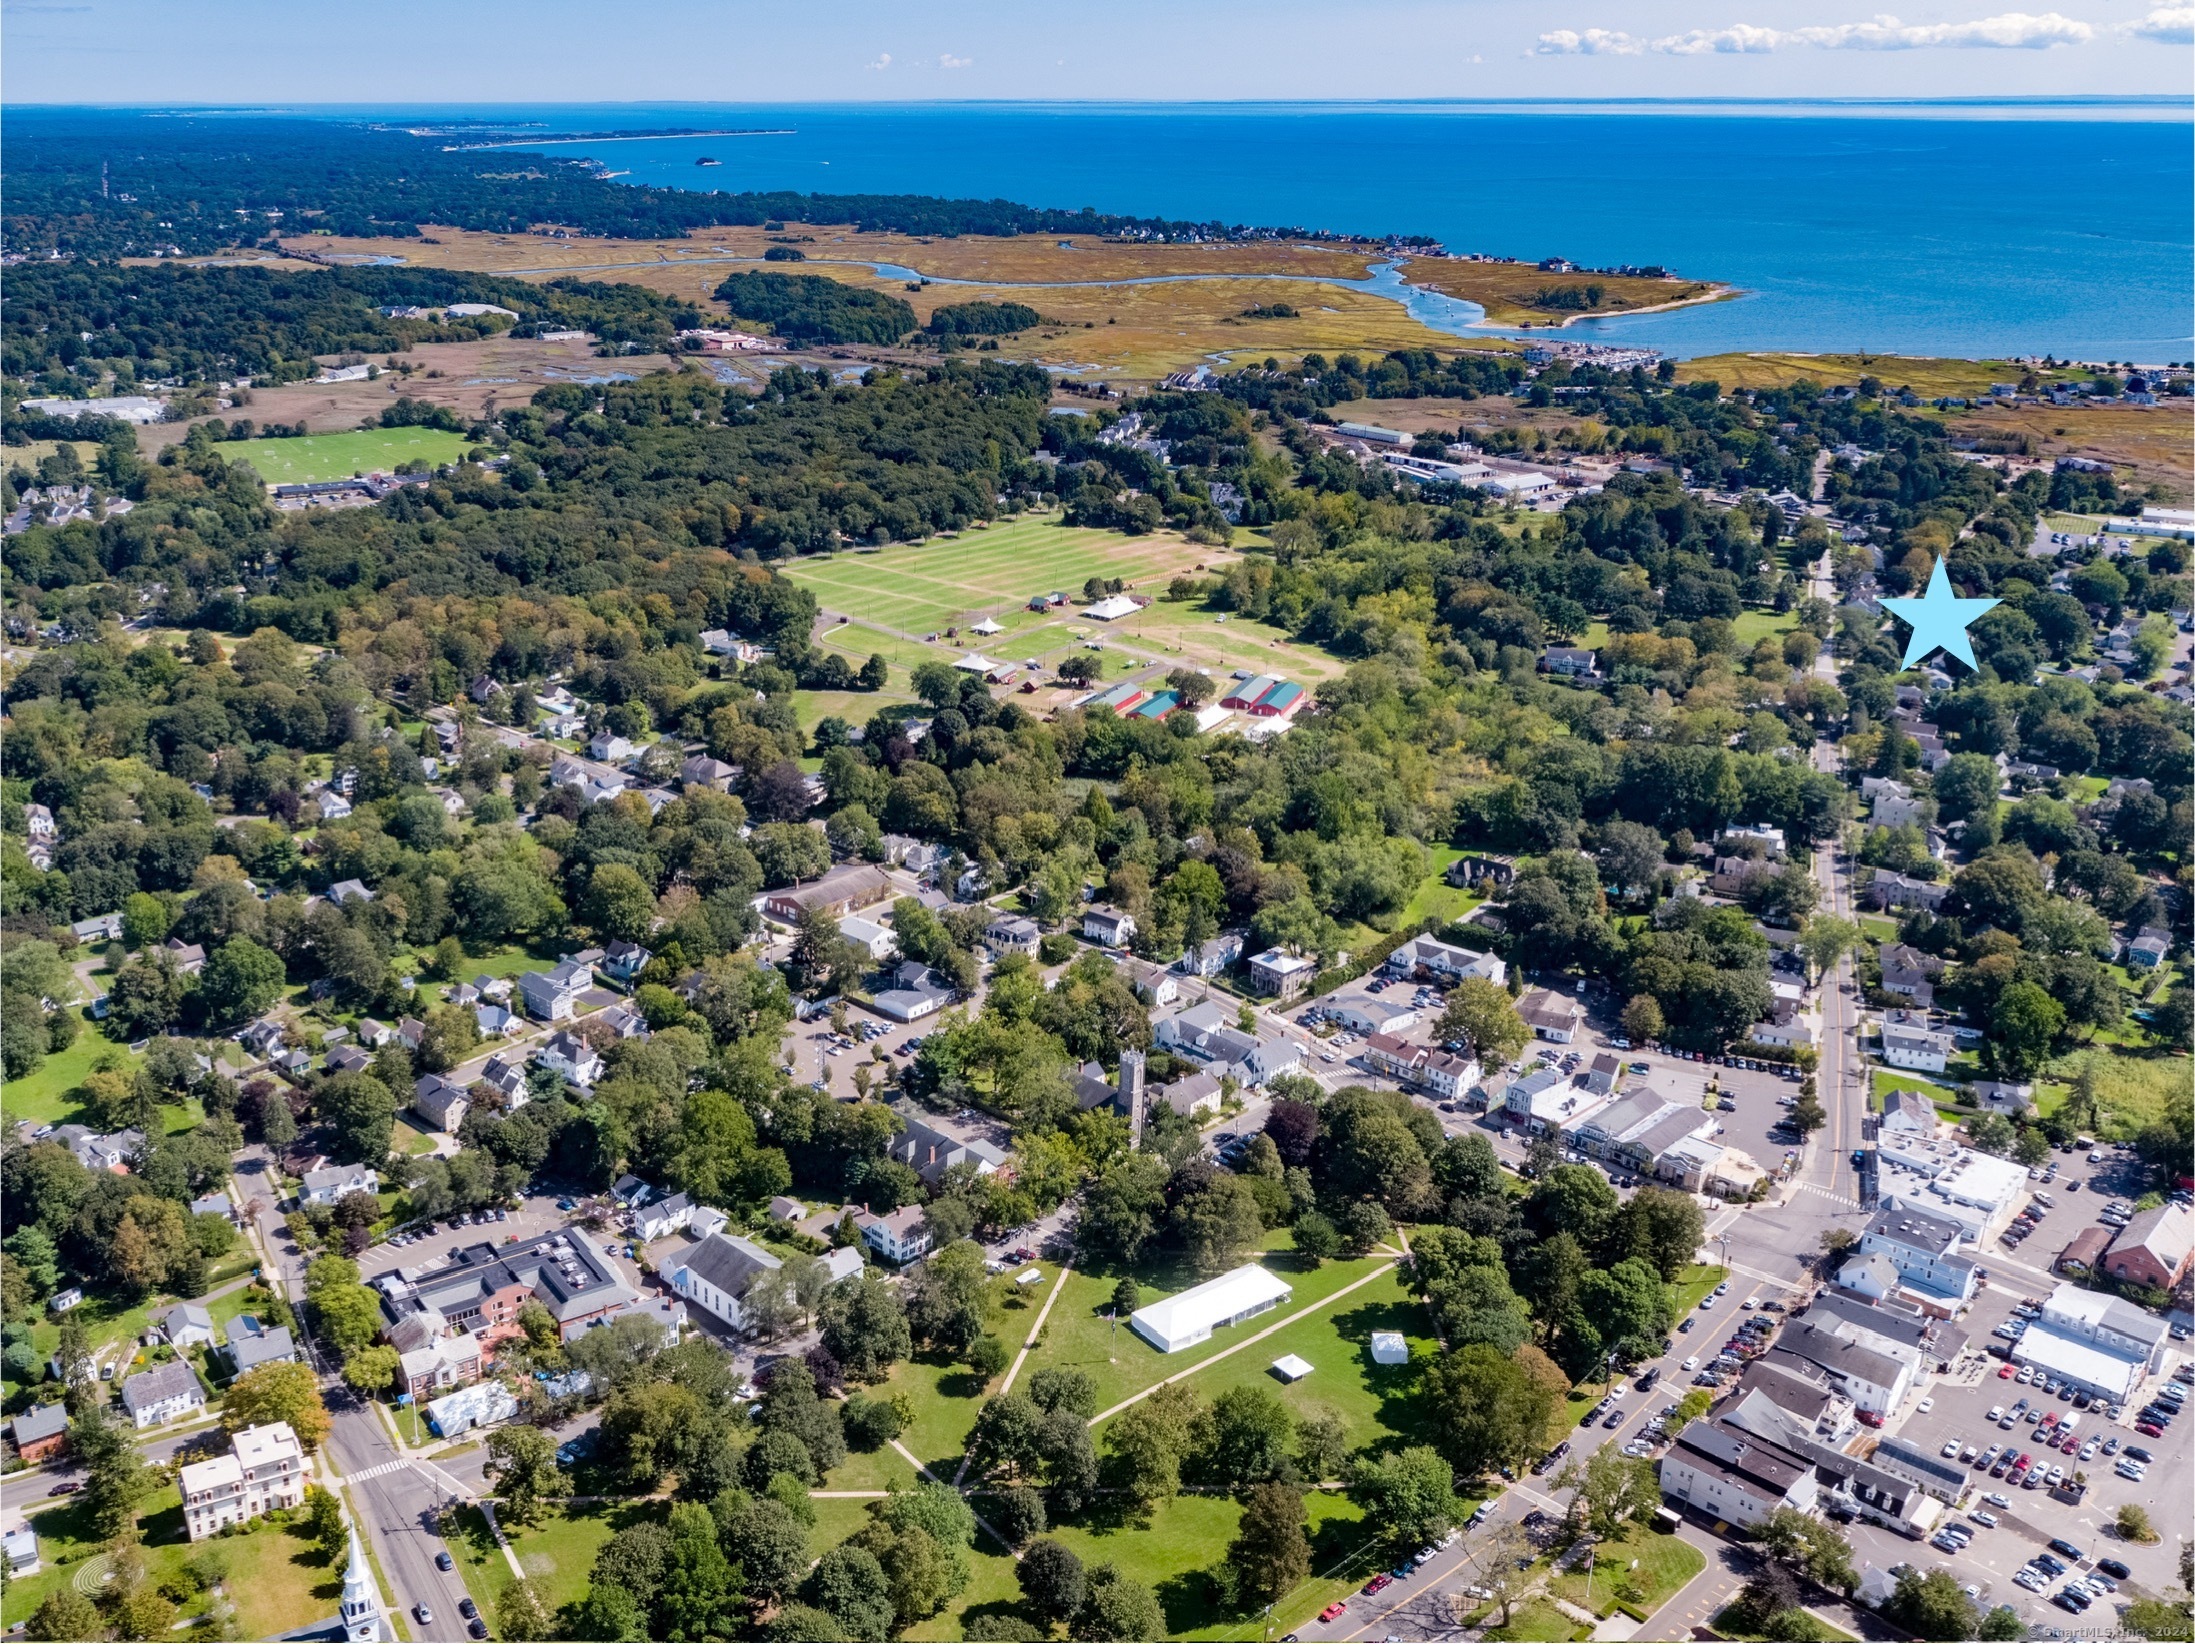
[1934, 230]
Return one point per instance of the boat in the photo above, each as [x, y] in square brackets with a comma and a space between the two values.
[708, 160]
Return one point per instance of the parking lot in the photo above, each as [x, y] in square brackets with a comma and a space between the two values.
[1958, 1410]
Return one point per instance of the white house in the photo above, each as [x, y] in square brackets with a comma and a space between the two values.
[717, 1273]
[1108, 926]
[1734, 1476]
[166, 1392]
[571, 1057]
[611, 749]
[900, 1237]
[1207, 1032]
[1210, 957]
[553, 995]
[331, 1182]
[1010, 933]
[1551, 1015]
[264, 1469]
[186, 1324]
[1184, 1320]
[872, 938]
[663, 1218]
[1423, 954]
[1916, 1048]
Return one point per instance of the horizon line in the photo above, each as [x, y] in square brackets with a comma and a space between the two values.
[289, 105]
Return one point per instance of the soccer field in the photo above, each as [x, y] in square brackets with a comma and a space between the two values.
[994, 570]
[338, 456]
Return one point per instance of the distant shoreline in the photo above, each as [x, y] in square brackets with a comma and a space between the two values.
[1718, 294]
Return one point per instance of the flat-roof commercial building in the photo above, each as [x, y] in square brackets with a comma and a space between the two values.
[1184, 1320]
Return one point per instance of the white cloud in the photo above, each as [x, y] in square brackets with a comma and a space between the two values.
[2012, 30]
[946, 60]
[2167, 25]
[1591, 43]
[883, 61]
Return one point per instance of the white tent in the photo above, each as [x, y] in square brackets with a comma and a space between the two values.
[1291, 1368]
[1184, 1320]
[1388, 1347]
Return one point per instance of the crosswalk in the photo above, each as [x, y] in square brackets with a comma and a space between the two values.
[1842, 1201]
[378, 1471]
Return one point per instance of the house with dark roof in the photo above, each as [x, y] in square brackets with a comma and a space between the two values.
[40, 1432]
[249, 1349]
[717, 1274]
[165, 1392]
[931, 1152]
[1730, 1475]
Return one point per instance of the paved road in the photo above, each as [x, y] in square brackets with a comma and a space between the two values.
[398, 1507]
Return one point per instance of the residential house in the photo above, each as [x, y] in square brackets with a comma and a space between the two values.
[1207, 1032]
[701, 771]
[1543, 1099]
[40, 1432]
[931, 1152]
[611, 749]
[900, 1237]
[185, 1324]
[1908, 1110]
[263, 1038]
[265, 1469]
[916, 991]
[1910, 973]
[1012, 934]
[1892, 803]
[165, 1392]
[107, 927]
[252, 1344]
[876, 940]
[623, 1020]
[1483, 870]
[348, 890]
[2148, 950]
[1443, 961]
[1153, 984]
[188, 957]
[373, 1033]
[1896, 892]
[1916, 1048]
[2153, 1248]
[1279, 974]
[553, 995]
[1604, 1074]
[1770, 840]
[1448, 1076]
[333, 806]
[663, 1218]
[329, 1183]
[441, 1102]
[109, 1153]
[216, 1204]
[718, 1273]
[1398, 1059]
[1551, 1015]
[1211, 956]
[839, 892]
[1109, 927]
[507, 1079]
[1569, 662]
[1192, 1094]
[439, 1363]
[622, 961]
[572, 1059]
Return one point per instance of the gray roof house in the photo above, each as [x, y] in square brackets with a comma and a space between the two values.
[249, 1351]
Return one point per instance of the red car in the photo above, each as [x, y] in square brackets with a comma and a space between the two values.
[2149, 1429]
[1331, 1611]
[2005, 1374]
[1376, 1583]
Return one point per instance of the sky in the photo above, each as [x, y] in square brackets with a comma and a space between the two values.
[269, 52]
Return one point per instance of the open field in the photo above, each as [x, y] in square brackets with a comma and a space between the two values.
[472, 378]
[991, 571]
[556, 1554]
[2155, 441]
[42, 1096]
[1664, 1563]
[338, 456]
[1925, 376]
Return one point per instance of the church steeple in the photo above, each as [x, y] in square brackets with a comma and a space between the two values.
[361, 1603]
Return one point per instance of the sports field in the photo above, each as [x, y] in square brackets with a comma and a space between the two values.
[994, 570]
[899, 596]
[339, 456]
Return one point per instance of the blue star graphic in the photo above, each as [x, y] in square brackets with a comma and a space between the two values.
[1939, 619]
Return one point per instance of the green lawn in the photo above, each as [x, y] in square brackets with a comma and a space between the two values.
[1078, 1334]
[556, 1554]
[947, 1401]
[1664, 1563]
[1819, 1630]
[877, 1469]
[276, 1580]
[1373, 1399]
[339, 456]
[991, 570]
[1697, 1281]
[1751, 627]
[42, 1096]
[1537, 1619]
[1888, 1079]
[1435, 898]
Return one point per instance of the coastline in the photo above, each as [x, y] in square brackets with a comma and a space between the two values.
[1720, 294]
